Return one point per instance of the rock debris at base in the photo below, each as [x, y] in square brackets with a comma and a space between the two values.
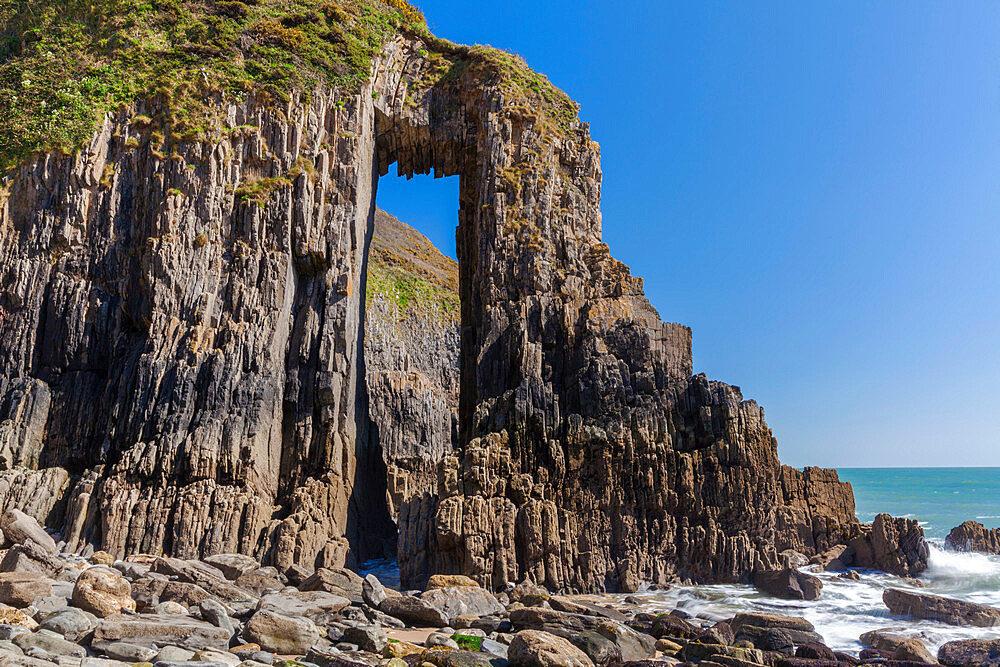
[59, 608]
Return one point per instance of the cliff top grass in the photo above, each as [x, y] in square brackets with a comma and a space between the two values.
[66, 63]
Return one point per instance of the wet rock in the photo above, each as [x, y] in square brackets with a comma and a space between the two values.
[973, 536]
[884, 639]
[671, 625]
[103, 591]
[936, 608]
[788, 584]
[720, 633]
[148, 630]
[632, 645]
[970, 653]
[442, 656]
[893, 544]
[814, 651]
[280, 634]
[534, 648]
[696, 652]
[460, 600]
[806, 662]
[414, 611]
[913, 650]
[19, 589]
[762, 620]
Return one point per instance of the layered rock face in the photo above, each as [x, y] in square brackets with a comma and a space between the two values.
[182, 337]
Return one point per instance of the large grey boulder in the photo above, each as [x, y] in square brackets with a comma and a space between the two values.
[320, 607]
[414, 611]
[282, 634]
[233, 565]
[458, 601]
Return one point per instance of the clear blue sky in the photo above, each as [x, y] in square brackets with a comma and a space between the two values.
[813, 187]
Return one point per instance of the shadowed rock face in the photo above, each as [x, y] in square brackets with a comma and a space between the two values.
[182, 336]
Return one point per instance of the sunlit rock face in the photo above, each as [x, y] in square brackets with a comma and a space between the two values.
[186, 364]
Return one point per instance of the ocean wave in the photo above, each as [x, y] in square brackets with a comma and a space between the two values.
[989, 516]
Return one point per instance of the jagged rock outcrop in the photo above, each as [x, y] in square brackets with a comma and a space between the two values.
[974, 536]
[181, 333]
[891, 544]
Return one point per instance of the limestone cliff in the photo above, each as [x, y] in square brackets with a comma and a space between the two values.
[182, 305]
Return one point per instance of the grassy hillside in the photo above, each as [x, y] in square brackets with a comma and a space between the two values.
[405, 267]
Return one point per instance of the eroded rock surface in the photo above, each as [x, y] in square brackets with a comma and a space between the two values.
[974, 536]
[182, 353]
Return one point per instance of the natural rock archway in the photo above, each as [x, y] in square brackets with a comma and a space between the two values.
[182, 364]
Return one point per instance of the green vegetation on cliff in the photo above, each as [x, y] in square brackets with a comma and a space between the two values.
[66, 63]
[406, 268]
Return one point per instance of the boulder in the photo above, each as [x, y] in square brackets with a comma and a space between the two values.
[161, 630]
[885, 639]
[126, 652]
[204, 575]
[633, 645]
[697, 652]
[19, 589]
[372, 591]
[320, 607]
[181, 592]
[974, 536]
[788, 584]
[671, 625]
[259, 582]
[573, 606]
[444, 656]
[215, 613]
[281, 634]
[30, 557]
[534, 648]
[460, 600]
[103, 591]
[450, 581]
[20, 528]
[233, 565]
[73, 624]
[913, 650]
[12, 616]
[367, 637]
[942, 609]
[970, 653]
[48, 645]
[343, 582]
[414, 611]
[762, 620]
[815, 651]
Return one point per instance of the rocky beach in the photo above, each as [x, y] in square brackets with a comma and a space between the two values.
[248, 418]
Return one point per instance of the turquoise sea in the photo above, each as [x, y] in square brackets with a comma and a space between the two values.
[939, 498]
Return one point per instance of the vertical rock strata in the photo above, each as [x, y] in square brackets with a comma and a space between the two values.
[181, 336]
